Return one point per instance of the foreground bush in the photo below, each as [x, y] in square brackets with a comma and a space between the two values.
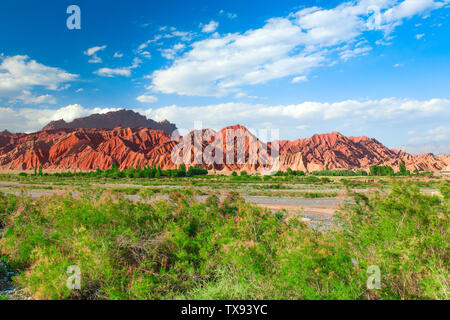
[226, 249]
[405, 234]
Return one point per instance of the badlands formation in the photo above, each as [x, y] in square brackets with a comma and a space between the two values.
[128, 139]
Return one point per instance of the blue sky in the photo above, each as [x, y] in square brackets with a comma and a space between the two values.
[372, 67]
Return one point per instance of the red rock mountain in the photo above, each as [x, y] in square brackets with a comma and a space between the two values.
[91, 148]
[341, 152]
[110, 120]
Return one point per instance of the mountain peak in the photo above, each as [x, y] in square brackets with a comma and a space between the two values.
[6, 133]
[235, 127]
[124, 118]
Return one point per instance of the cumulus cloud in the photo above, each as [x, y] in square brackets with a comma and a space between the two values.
[420, 36]
[19, 74]
[171, 53]
[350, 111]
[92, 52]
[300, 79]
[147, 99]
[209, 27]
[113, 72]
[284, 46]
[28, 98]
[218, 66]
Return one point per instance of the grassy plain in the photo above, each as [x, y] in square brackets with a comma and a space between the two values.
[224, 237]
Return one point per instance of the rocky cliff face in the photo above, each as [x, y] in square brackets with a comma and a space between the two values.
[341, 152]
[65, 149]
[86, 149]
[110, 120]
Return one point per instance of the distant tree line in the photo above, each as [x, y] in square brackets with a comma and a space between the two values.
[139, 172]
[156, 172]
[290, 172]
[340, 173]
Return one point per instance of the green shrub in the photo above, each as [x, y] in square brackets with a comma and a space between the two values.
[226, 249]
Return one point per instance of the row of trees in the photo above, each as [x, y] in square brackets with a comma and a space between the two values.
[389, 171]
[289, 172]
[340, 173]
[374, 170]
[156, 172]
[139, 172]
[381, 171]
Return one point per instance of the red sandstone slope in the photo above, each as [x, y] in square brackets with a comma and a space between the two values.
[86, 149]
[341, 152]
[229, 149]
[89, 149]
[110, 120]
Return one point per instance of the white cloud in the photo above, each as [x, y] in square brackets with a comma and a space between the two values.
[171, 53]
[118, 55]
[351, 53]
[113, 72]
[218, 66]
[92, 52]
[350, 111]
[210, 27]
[441, 133]
[28, 98]
[33, 119]
[183, 35]
[408, 8]
[229, 15]
[420, 36]
[284, 46]
[147, 99]
[172, 32]
[146, 54]
[19, 74]
[148, 42]
[300, 79]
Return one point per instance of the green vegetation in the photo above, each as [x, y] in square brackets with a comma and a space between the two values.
[381, 171]
[289, 173]
[146, 172]
[342, 173]
[227, 249]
